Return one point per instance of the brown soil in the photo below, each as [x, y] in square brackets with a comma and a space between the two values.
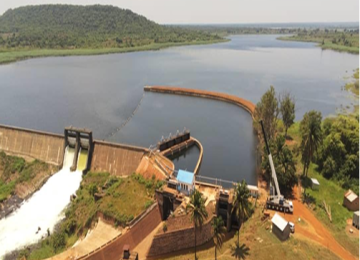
[315, 230]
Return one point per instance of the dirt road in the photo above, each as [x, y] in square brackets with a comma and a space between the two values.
[315, 230]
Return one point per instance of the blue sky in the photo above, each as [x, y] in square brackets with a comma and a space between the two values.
[223, 11]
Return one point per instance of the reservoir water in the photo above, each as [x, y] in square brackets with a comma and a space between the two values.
[103, 92]
[44, 209]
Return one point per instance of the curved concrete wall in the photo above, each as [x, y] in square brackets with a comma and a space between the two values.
[247, 105]
[39, 145]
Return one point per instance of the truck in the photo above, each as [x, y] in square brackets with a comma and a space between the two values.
[275, 200]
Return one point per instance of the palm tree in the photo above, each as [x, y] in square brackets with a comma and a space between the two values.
[310, 128]
[197, 210]
[241, 205]
[218, 232]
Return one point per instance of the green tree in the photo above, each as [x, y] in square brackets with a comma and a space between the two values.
[311, 133]
[197, 210]
[241, 205]
[268, 110]
[218, 232]
[284, 163]
[287, 110]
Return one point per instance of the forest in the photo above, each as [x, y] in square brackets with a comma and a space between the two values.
[97, 26]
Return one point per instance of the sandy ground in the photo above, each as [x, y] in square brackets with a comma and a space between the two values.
[143, 248]
[313, 229]
[97, 237]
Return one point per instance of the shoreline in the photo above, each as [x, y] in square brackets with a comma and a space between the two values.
[333, 47]
[11, 56]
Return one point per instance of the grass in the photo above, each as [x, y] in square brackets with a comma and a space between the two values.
[121, 200]
[7, 56]
[354, 85]
[331, 40]
[270, 247]
[14, 170]
[333, 195]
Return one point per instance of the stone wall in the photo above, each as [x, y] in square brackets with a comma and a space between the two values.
[172, 241]
[39, 145]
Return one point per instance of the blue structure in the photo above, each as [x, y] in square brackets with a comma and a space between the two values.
[186, 182]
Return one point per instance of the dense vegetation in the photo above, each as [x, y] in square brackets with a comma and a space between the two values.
[15, 170]
[339, 40]
[327, 150]
[98, 192]
[234, 30]
[73, 27]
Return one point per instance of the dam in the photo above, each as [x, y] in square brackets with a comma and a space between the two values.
[76, 153]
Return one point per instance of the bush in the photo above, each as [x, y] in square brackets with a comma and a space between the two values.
[58, 241]
[148, 204]
[164, 227]
[93, 189]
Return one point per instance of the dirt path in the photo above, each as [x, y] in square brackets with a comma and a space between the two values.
[315, 229]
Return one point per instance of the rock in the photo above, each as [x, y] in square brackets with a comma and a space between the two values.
[351, 230]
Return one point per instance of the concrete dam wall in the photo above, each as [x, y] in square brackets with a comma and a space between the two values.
[43, 146]
[117, 159]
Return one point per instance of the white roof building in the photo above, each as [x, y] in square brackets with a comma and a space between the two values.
[278, 221]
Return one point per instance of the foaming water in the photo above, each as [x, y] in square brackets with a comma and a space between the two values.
[82, 160]
[44, 209]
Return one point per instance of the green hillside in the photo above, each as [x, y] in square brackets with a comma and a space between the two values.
[69, 27]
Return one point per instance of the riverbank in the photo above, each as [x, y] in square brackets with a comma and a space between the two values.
[8, 56]
[323, 43]
[19, 180]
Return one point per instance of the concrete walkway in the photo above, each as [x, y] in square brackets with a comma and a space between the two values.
[97, 237]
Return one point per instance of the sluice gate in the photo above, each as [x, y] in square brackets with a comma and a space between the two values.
[82, 141]
[172, 140]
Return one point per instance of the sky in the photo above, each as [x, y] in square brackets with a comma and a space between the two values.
[223, 11]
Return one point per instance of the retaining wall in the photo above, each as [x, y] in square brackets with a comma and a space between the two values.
[114, 249]
[43, 146]
[173, 241]
[247, 105]
[117, 159]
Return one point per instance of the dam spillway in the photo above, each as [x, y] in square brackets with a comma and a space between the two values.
[44, 209]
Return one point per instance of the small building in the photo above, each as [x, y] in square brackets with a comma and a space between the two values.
[280, 227]
[351, 201]
[356, 219]
[315, 184]
[186, 182]
[254, 190]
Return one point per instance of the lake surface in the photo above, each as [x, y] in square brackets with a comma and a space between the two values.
[102, 92]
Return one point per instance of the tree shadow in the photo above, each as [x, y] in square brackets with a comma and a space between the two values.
[239, 252]
[288, 137]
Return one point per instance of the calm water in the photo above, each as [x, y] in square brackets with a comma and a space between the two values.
[101, 92]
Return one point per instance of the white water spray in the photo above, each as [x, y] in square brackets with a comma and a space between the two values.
[44, 209]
